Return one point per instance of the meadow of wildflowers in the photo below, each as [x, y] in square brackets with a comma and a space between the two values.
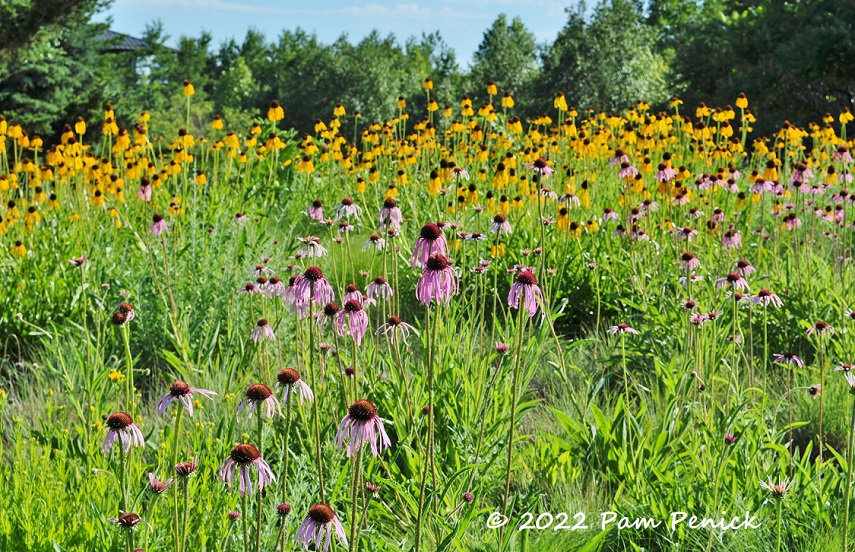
[401, 335]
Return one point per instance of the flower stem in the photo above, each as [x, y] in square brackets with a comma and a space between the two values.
[243, 513]
[778, 519]
[259, 511]
[315, 402]
[521, 313]
[354, 499]
[175, 435]
[129, 367]
[123, 476]
[847, 495]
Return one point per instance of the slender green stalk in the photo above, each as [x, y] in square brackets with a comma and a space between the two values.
[175, 435]
[522, 315]
[244, 512]
[129, 367]
[847, 494]
[123, 476]
[779, 506]
[315, 388]
[354, 499]
[260, 500]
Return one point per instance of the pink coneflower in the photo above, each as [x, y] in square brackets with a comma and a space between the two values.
[438, 282]
[79, 261]
[362, 425]
[320, 522]
[687, 233]
[608, 215]
[242, 458]
[262, 331]
[729, 438]
[257, 395]
[379, 287]
[627, 171]
[765, 297]
[121, 427]
[820, 328]
[778, 490]
[312, 247]
[184, 394]
[158, 226]
[744, 268]
[430, 242]
[569, 200]
[733, 280]
[648, 206]
[352, 320]
[665, 173]
[792, 222]
[841, 154]
[476, 237]
[390, 215]
[618, 158]
[760, 186]
[699, 319]
[789, 359]
[316, 210]
[718, 215]
[500, 225]
[274, 287]
[731, 240]
[347, 209]
[250, 288]
[329, 312]
[376, 241]
[691, 279]
[460, 173]
[541, 167]
[395, 326]
[127, 520]
[240, 218]
[525, 287]
[801, 173]
[695, 213]
[351, 293]
[312, 286]
[156, 486]
[844, 368]
[622, 329]
[289, 381]
[679, 199]
[689, 262]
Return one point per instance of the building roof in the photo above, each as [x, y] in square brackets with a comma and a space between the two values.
[118, 42]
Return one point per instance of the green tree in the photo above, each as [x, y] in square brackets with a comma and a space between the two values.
[793, 59]
[48, 55]
[507, 56]
[606, 63]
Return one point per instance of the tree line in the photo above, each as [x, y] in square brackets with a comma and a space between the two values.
[792, 58]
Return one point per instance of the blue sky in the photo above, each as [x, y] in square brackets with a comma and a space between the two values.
[461, 24]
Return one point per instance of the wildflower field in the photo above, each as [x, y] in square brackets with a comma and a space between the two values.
[453, 330]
